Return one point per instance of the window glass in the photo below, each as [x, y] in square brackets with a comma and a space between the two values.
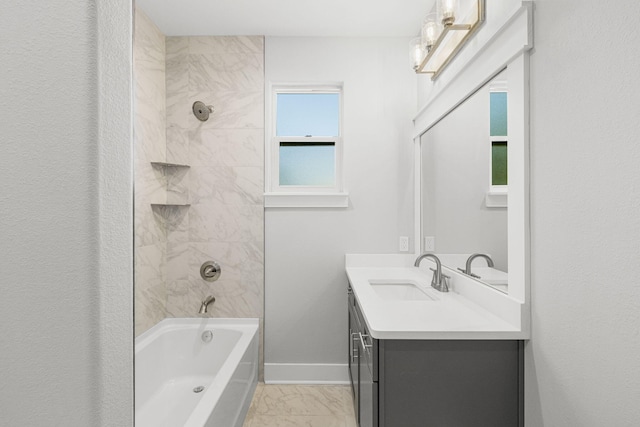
[499, 163]
[498, 113]
[303, 114]
[308, 164]
[498, 129]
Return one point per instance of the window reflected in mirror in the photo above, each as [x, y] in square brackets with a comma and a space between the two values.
[498, 133]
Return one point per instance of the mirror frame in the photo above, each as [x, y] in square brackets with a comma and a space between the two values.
[504, 47]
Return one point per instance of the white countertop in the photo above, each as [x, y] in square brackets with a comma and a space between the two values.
[451, 316]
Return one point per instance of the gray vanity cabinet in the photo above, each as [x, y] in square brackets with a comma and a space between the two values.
[354, 350]
[440, 383]
[363, 352]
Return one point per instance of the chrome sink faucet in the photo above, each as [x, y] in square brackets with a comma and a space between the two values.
[439, 280]
[205, 303]
[467, 269]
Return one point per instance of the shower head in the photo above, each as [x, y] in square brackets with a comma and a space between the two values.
[202, 111]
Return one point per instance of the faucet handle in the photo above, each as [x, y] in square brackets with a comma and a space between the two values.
[469, 274]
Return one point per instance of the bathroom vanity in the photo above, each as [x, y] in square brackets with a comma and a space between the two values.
[421, 357]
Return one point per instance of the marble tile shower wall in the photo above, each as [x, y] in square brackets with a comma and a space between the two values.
[150, 239]
[224, 184]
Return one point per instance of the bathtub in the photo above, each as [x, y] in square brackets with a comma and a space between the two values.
[182, 380]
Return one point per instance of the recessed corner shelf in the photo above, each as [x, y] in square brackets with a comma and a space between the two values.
[170, 214]
[169, 165]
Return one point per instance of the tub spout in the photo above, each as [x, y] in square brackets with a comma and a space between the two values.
[205, 303]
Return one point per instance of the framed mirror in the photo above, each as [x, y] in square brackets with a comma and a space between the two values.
[465, 202]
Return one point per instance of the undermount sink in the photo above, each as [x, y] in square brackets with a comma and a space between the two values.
[400, 290]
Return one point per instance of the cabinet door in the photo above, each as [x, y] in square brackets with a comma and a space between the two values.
[461, 383]
[354, 358]
[368, 392]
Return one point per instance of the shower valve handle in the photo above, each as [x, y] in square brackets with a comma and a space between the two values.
[210, 271]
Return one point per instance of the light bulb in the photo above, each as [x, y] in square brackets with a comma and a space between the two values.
[447, 10]
[417, 53]
[430, 31]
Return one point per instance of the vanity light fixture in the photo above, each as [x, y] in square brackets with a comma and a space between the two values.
[444, 33]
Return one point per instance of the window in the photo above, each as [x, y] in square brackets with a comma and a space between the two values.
[305, 147]
[498, 163]
[498, 136]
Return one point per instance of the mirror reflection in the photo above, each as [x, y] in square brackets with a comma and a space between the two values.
[464, 186]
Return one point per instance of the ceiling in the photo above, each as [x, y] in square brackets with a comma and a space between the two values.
[288, 18]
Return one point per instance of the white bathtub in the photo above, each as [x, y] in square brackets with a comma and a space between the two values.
[172, 359]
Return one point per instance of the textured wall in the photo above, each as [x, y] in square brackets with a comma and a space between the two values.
[582, 361]
[150, 182]
[49, 175]
[65, 209]
[225, 182]
[115, 214]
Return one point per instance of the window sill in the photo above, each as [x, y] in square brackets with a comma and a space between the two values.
[306, 200]
[497, 199]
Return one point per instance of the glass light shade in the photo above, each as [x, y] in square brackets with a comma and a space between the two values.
[430, 31]
[416, 52]
[447, 11]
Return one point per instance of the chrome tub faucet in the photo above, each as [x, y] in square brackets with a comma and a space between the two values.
[205, 303]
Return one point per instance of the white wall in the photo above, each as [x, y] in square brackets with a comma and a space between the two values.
[583, 364]
[305, 283]
[65, 204]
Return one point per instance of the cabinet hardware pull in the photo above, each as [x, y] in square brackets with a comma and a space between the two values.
[354, 350]
[365, 346]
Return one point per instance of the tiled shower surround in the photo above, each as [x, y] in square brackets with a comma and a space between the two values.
[223, 185]
[150, 187]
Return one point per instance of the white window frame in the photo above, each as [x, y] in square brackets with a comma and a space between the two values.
[277, 195]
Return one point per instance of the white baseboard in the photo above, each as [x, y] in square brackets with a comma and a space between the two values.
[305, 373]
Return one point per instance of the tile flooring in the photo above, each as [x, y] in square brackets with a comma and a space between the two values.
[275, 405]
